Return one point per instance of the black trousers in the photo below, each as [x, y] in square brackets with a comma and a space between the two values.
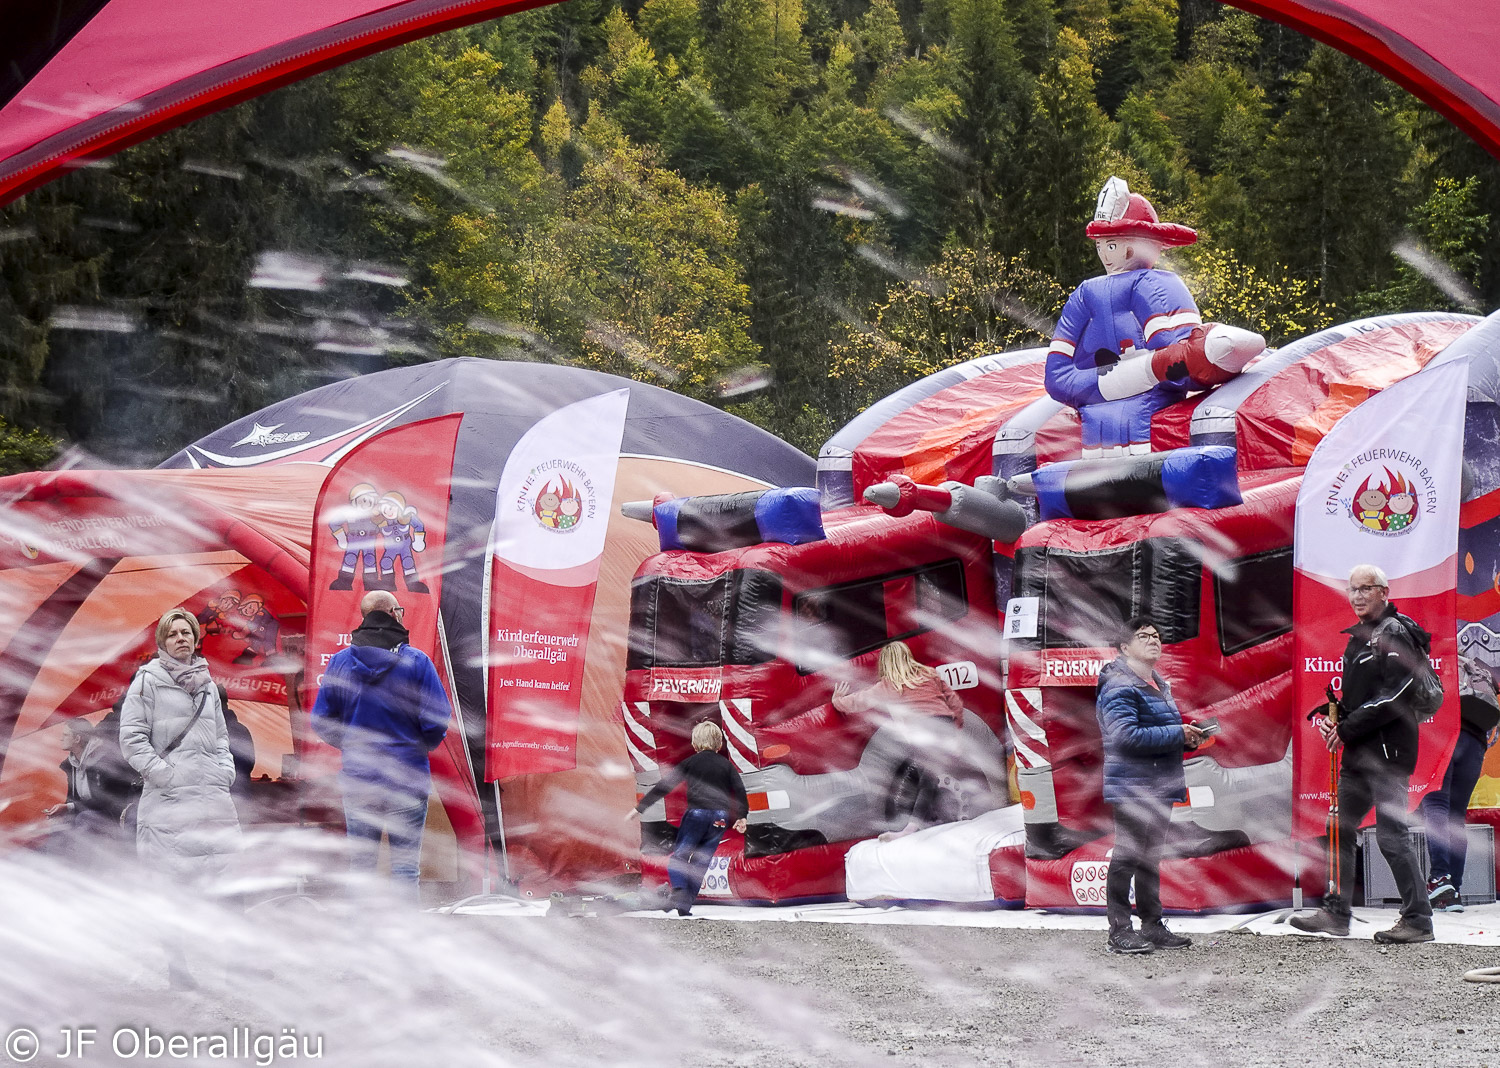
[1140, 834]
[1384, 787]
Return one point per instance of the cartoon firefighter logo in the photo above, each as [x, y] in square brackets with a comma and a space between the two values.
[558, 506]
[401, 535]
[380, 535]
[1386, 502]
[242, 618]
[217, 617]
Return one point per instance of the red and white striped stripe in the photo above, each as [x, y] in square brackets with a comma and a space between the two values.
[639, 738]
[739, 734]
[1170, 321]
[1066, 348]
[1023, 709]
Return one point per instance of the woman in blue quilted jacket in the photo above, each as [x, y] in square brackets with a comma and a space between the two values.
[1144, 737]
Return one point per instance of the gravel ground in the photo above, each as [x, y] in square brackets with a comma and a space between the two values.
[927, 996]
[380, 985]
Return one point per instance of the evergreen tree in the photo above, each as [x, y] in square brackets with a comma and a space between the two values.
[1331, 194]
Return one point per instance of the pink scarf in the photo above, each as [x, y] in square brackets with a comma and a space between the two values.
[192, 676]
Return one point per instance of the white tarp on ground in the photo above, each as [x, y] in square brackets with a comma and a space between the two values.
[949, 862]
[1478, 926]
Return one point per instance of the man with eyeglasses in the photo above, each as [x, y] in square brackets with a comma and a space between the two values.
[382, 705]
[1377, 733]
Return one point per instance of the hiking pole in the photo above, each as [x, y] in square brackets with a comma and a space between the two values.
[1335, 871]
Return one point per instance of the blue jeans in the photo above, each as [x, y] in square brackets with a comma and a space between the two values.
[697, 837]
[1446, 810]
[369, 811]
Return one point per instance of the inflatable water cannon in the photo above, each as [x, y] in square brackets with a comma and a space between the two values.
[645, 511]
[983, 508]
[712, 523]
[1195, 477]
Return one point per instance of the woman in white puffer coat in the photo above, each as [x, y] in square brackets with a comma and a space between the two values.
[172, 733]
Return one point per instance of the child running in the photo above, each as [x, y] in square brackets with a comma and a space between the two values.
[715, 799]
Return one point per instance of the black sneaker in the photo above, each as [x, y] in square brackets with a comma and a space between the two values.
[1158, 935]
[1321, 922]
[1443, 894]
[1404, 933]
[1127, 940]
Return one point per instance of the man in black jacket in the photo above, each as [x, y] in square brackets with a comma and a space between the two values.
[1377, 732]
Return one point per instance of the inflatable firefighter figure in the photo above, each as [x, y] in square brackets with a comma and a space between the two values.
[356, 529]
[401, 534]
[1131, 341]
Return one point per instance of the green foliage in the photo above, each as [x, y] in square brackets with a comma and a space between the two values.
[1229, 290]
[646, 261]
[1330, 186]
[970, 304]
[844, 194]
[1063, 150]
[25, 450]
[1450, 227]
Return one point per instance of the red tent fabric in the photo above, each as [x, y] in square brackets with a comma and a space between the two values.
[86, 79]
[81, 79]
[1441, 50]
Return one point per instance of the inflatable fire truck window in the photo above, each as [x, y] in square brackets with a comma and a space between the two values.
[1253, 597]
[839, 623]
[732, 619]
[1086, 597]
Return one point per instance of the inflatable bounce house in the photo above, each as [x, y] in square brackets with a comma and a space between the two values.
[1005, 517]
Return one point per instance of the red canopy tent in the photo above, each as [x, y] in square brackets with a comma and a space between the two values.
[90, 559]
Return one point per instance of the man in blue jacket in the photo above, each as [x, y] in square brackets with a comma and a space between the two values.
[382, 705]
[1144, 737]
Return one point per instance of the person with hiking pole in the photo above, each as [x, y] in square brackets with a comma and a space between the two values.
[1376, 734]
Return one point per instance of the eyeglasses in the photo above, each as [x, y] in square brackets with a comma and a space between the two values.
[1356, 591]
[1148, 635]
[398, 611]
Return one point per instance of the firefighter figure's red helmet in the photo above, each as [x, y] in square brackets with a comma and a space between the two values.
[1122, 213]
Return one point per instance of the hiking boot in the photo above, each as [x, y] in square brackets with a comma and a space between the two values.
[1158, 935]
[1127, 940]
[1321, 922]
[1443, 894]
[1405, 932]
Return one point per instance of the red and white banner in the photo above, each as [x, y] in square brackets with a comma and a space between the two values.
[1381, 488]
[551, 515]
[381, 524]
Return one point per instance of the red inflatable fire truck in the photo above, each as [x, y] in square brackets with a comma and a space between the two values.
[959, 497]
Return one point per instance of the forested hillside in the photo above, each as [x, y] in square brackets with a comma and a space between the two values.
[787, 207]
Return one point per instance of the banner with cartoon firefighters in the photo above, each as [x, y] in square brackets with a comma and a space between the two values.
[552, 510]
[380, 524]
[1382, 488]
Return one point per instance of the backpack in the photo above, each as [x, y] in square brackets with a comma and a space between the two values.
[1425, 696]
